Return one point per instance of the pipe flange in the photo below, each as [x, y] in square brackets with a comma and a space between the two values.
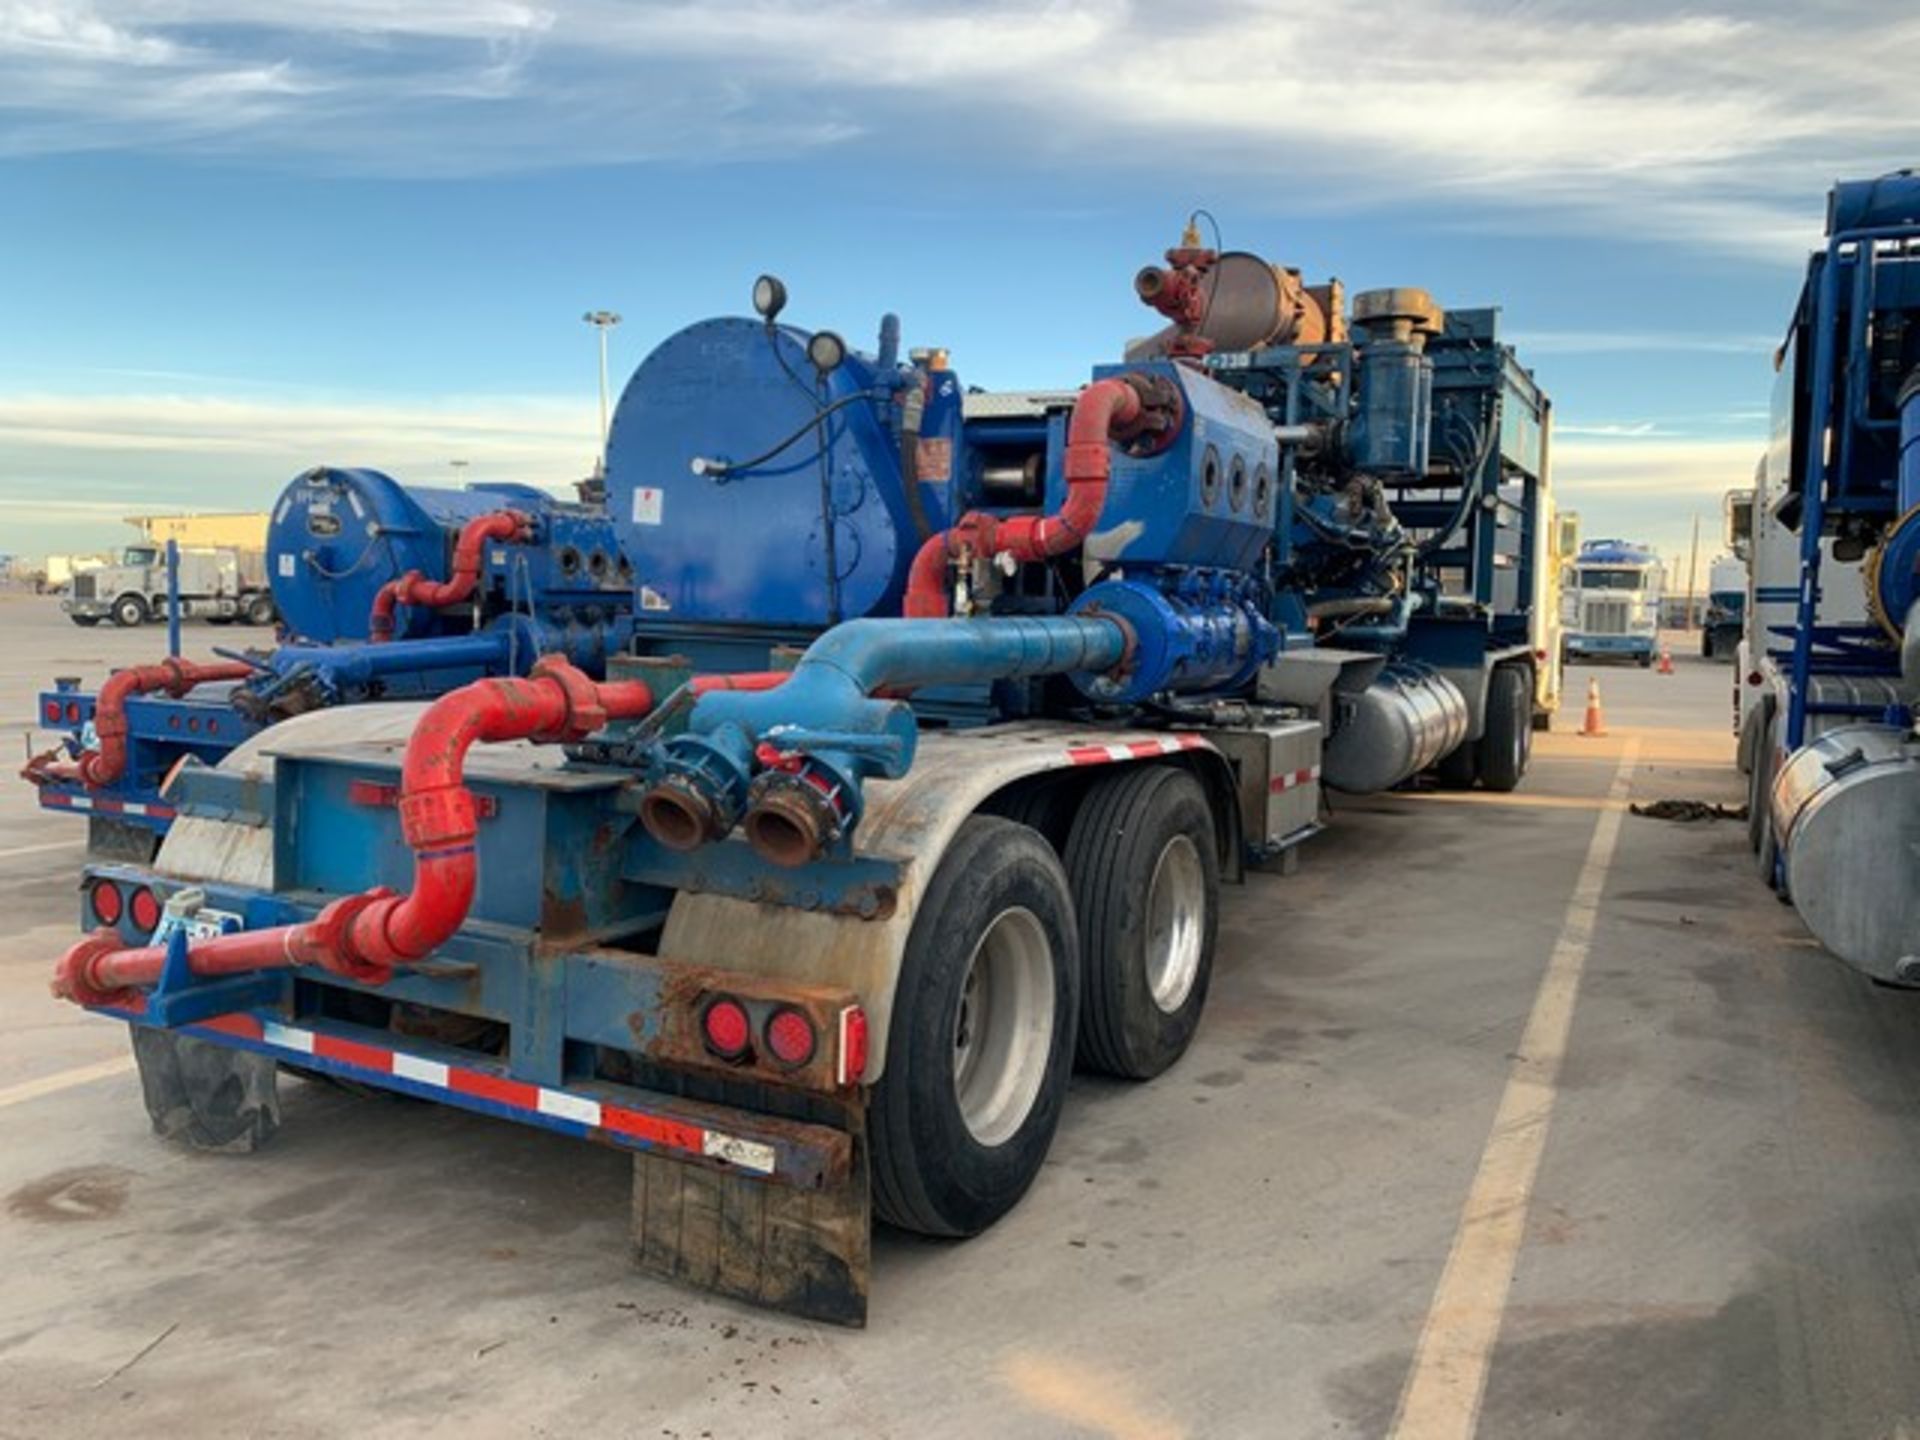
[794, 817]
[585, 713]
[73, 976]
[332, 932]
[682, 814]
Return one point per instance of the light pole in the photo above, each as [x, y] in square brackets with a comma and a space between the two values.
[603, 321]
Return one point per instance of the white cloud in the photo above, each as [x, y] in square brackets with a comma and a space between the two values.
[73, 465]
[1711, 126]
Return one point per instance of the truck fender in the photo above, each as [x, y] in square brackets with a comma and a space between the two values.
[910, 823]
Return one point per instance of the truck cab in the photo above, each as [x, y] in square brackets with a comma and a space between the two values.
[1611, 606]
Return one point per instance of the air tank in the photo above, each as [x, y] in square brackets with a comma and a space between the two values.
[1403, 721]
[1847, 810]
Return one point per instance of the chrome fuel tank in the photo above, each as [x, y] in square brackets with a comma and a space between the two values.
[1847, 810]
[1400, 723]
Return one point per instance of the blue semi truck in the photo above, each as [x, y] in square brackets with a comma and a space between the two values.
[944, 716]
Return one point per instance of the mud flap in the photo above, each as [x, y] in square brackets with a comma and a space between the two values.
[212, 1097]
[807, 1252]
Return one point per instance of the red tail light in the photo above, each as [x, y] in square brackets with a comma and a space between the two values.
[73, 712]
[790, 1037]
[143, 908]
[52, 712]
[103, 898]
[1754, 677]
[853, 1045]
[727, 1030]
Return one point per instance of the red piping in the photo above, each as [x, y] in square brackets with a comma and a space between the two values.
[366, 936]
[413, 588]
[1106, 410]
[99, 768]
[745, 680]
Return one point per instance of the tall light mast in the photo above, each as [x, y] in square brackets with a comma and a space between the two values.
[602, 321]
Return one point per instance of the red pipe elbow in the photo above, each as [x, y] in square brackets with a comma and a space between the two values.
[413, 588]
[101, 767]
[1106, 410]
[366, 936]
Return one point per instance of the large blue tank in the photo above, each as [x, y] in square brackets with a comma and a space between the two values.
[338, 535]
[747, 546]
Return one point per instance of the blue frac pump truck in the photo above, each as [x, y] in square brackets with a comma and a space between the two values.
[386, 592]
[944, 715]
[1829, 744]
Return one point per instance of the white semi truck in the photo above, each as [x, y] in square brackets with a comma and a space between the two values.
[220, 584]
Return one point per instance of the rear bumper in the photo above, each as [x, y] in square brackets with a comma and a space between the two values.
[152, 813]
[1608, 644]
[753, 1146]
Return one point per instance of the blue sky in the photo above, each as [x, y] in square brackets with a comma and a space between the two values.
[239, 238]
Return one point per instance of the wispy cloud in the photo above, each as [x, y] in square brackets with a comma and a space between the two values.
[72, 467]
[1707, 126]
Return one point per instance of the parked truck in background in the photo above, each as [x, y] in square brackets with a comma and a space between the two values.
[1829, 670]
[1611, 605]
[1721, 618]
[220, 584]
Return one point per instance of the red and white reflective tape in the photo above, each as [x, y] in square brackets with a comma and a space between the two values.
[1293, 779]
[1134, 749]
[537, 1103]
[104, 805]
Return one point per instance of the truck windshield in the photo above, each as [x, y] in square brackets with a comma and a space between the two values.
[138, 556]
[1612, 580]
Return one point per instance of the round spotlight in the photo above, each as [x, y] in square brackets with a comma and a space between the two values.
[769, 297]
[826, 350]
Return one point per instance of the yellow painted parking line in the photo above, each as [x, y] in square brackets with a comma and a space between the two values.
[65, 1080]
[1448, 1379]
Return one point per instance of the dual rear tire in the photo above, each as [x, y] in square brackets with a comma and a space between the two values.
[1016, 961]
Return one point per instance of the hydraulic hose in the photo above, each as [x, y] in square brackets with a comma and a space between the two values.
[102, 767]
[413, 588]
[1107, 410]
[366, 936]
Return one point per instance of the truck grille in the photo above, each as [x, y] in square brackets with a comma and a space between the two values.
[1606, 617]
[83, 587]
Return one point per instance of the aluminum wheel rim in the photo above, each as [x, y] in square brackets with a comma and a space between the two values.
[1003, 1026]
[1176, 923]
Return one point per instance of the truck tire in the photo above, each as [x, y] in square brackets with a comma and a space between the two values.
[129, 612]
[85, 622]
[207, 1096]
[981, 1042]
[1766, 764]
[1506, 739]
[1753, 741]
[1646, 660]
[1146, 897]
[260, 610]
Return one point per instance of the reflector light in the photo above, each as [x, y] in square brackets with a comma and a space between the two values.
[790, 1037]
[52, 712]
[143, 908]
[853, 1046]
[73, 712]
[726, 1028]
[103, 898]
[1754, 677]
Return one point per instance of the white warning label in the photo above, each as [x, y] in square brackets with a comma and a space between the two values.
[648, 502]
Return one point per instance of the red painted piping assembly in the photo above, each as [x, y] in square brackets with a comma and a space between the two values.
[1107, 410]
[366, 936]
[413, 588]
[98, 768]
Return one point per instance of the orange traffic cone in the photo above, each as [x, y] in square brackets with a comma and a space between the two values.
[1666, 661]
[1595, 723]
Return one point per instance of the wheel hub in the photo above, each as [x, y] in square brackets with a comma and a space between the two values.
[1176, 923]
[1003, 1026]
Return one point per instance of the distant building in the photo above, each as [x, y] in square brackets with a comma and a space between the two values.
[244, 530]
